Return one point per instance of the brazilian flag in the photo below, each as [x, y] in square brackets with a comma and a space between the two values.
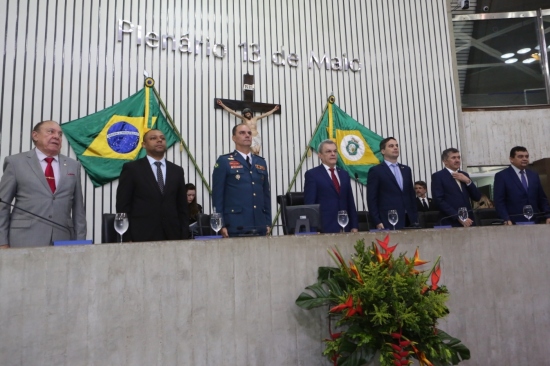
[358, 147]
[107, 139]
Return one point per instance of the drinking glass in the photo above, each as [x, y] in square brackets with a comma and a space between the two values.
[528, 212]
[216, 221]
[393, 217]
[343, 219]
[121, 223]
[463, 213]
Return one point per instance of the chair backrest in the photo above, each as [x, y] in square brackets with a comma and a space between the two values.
[487, 217]
[203, 225]
[108, 232]
[295, 198]
[428, 219]
[363, 220]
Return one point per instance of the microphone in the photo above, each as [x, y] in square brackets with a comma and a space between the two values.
[360, 190]
[35, 215]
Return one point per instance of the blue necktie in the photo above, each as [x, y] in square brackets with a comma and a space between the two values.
[397, 174]
[523, 179]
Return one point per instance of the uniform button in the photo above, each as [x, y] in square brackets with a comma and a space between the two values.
[232, 211]
[254, 207]
[53, 198]
[251, 172]
[252, 182]
[254, 194]
[51, 215]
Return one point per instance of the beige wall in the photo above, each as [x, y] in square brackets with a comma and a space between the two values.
[231, 302]
[491, 134]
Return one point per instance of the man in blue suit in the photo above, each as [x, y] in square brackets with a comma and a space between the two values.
[453, 189]
[516, 187]
[240, 188]
[330, 187]
[390, 187]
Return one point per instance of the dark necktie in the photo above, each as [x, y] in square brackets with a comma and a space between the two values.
[425, 204]
[160, 178]
[523, 179]
[50, 178]
[334, 180]
[248, 161]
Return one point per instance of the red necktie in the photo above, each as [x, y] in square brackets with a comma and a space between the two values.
[334, 180]
[49, 174]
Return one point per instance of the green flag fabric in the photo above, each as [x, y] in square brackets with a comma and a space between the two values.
[107, 139]
[358, 147]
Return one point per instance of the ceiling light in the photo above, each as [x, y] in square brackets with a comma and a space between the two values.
[507, 55]
[529, 60]
[511, 60]
[524, 50]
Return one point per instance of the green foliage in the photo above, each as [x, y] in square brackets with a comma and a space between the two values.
[380, 303]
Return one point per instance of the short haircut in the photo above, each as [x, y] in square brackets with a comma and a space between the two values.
[152, 129]
[39, 124]
[234, 130]
[384, 142]
[421, 183]
[515, 149]
[445, 154]
[323, 143]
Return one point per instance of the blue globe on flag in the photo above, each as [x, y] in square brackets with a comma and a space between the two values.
[123, 137]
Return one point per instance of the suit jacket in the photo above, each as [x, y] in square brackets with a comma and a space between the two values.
[432, 205]
[242, 194]
[384, 194]
[450, 198]
[510, 196]
[153, 215]
[319, 189]
[24, 180]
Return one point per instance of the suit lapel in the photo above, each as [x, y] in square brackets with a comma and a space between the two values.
[63, 170]
[514, 178]
[328, 179]
[37, 169]
[149, 176]
[389, 173]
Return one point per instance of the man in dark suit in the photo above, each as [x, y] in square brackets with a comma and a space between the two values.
[516, 187]
[390, 187]
[453, 189]
[240, 188]
[330, 187]
[152, 192]
[46, 183]
[423, 202]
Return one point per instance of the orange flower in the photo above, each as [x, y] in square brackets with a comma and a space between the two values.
[347, 305]
[416, 260]
[355, 271]
[436, 275]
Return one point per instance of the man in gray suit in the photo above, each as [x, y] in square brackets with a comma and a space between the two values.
[46, 183]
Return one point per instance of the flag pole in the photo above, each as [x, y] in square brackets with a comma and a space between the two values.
[330, 100]
[182, 142]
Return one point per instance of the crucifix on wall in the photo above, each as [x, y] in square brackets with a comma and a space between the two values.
[247, 106]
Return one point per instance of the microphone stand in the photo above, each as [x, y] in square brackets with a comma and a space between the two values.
[35, 215]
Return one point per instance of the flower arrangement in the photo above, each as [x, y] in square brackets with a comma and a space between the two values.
[384, 304]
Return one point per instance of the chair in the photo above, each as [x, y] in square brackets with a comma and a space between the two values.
[364, 221]
[203, 225]
[108, 232]
[289, 199]
[428, 219]
[487, 217]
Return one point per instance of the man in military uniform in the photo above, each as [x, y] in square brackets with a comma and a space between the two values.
[240, 190]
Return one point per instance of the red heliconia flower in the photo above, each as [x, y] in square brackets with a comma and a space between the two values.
[436, 275]
[347, 305]
[340, 259]
[384, 243]
[355, 271]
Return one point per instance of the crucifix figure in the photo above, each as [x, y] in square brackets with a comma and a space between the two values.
[248, 118]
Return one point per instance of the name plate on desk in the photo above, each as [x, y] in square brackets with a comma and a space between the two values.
[525, 223]
[208, 237]
[59, 243]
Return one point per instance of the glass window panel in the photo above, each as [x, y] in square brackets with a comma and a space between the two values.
[498, 63]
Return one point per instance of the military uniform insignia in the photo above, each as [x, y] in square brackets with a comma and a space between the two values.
[235, 165]
[217, 165]
[260, 167]
[238, 176]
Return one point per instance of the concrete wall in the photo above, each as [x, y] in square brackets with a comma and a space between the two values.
[491, 135]
[231, 302]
